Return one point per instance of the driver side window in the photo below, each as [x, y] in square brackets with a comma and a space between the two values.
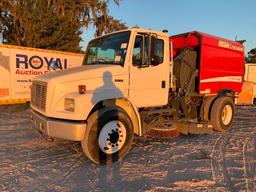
[141, 51]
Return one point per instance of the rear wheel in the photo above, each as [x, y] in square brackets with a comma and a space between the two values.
[108, 136]
[222, 113]
[205, 108]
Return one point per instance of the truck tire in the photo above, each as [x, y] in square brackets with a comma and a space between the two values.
[205, 109]
[222, 113]
[108, 136]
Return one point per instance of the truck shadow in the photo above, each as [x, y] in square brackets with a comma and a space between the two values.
[107, 91]
[107, 144]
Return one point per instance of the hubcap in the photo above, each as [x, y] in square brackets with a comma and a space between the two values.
[226, 114]
[112, 137]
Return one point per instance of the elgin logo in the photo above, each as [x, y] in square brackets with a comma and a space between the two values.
[37, 62]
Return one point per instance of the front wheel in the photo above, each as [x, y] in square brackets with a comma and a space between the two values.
[222, 113]
[108, 136]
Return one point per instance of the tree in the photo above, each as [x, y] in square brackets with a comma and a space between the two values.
[109, 26]
[51, 24]
[252, 56]
[92, 12]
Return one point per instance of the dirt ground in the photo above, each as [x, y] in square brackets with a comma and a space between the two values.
[215, 162]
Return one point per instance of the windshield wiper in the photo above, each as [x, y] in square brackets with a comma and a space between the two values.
[103, 61]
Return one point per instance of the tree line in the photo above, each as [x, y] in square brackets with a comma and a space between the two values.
[54, 24]
[58, 24]
[251, 58]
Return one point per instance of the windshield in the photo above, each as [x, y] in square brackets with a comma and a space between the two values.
[107, 50]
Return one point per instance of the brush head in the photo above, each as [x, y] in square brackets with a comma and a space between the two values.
[162, 133]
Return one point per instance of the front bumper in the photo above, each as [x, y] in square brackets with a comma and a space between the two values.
[63, 129]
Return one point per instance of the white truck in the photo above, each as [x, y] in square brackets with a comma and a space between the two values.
[131, 73]
[19, 65]
[248, 93]
[250, 72]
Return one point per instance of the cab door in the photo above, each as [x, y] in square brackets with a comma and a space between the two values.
[149, 81]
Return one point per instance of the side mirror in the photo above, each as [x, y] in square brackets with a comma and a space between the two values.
[154, 59]
[152, 46]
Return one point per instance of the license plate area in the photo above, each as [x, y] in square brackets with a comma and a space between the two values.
[39, 124]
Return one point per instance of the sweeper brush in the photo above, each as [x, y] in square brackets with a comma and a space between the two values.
[162, 133]
[159, 124]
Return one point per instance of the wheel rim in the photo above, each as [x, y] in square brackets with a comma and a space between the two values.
[226, 115]
[112, 137]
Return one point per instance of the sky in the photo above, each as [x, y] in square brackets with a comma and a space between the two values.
[225, 18]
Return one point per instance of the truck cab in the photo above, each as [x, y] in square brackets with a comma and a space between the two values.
[123, 74]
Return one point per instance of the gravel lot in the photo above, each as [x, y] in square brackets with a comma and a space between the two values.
[216, 162]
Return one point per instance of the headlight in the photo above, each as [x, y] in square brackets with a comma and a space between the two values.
[69, 104]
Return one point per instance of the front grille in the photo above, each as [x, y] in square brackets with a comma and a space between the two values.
[38, 94]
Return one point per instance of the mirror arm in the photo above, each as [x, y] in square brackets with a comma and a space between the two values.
[143, 49]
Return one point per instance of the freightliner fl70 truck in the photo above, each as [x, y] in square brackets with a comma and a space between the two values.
[193, 76]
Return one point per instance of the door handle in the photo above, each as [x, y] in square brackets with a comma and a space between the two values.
[119, 80]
